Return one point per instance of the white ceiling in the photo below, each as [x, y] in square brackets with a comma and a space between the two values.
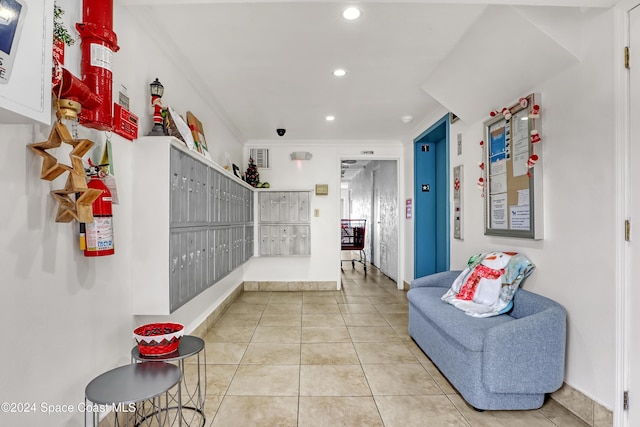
[268, 65]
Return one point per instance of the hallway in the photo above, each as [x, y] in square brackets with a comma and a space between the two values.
[336, 358]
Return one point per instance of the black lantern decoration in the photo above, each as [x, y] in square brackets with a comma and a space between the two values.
[157, 90]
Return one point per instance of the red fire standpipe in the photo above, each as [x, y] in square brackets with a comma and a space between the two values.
[73, 89]
[99, 42]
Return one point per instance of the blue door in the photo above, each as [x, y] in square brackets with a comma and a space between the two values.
[431, 217]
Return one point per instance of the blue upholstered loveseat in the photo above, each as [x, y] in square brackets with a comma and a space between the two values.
[508, 361]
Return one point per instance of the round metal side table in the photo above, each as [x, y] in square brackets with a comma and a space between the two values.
[194, 392]
[134, 392]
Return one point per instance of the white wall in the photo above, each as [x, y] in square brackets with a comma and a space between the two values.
[68, 318]
[324, 168]
[576, 259]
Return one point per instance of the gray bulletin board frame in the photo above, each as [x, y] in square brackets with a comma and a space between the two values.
[513, 190]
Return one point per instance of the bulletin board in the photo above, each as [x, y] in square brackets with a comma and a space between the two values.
[513, 172]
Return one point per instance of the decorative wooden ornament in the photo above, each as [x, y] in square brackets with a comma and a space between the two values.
[51, 169]
[68, 208]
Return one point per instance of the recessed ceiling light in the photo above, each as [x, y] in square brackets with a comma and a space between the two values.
[330, 118]
[351, 13]
[406, 119]
[340, 72]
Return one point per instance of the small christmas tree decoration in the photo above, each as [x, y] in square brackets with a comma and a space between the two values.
[252, 177]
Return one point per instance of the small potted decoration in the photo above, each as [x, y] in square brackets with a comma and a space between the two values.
[252, 177]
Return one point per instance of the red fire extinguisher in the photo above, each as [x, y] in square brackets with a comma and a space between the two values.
[99, 233]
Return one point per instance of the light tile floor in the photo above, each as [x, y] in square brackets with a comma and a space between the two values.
[340, 358]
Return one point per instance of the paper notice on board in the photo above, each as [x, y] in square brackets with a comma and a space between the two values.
[520, 164]
[523, 197]
[519, 217]
[499, 211]
[497, 141]
[520, 142]
[498, 183]
[498, 167]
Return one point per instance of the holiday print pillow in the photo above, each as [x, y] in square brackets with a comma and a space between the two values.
[486, 287]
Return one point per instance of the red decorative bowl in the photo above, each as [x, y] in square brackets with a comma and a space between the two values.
[158, 339]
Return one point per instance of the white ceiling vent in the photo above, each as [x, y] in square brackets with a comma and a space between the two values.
[261, 157]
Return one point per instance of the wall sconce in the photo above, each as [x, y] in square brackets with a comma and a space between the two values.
[301, 155]
[157, 90]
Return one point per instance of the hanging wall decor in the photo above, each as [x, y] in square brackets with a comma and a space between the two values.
[512, 171]
[68, 208]
[481, 166]
[458, 201]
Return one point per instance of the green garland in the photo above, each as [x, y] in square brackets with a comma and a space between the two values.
[59, 30]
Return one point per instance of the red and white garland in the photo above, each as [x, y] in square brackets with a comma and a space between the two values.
[534, 114]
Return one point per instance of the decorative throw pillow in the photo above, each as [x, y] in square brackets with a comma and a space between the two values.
[486, 287]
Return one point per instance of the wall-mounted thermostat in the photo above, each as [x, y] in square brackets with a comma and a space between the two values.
[12, 15]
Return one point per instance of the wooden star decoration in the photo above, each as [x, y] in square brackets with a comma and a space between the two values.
[77, 174]
[51, 169]
[80, 209]
[68, 208]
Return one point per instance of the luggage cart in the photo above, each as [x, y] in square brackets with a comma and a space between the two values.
[352, 239]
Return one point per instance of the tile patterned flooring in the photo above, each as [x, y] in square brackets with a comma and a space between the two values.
[336, 358]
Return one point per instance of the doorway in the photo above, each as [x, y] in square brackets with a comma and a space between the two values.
[431, 217]
[370, 192]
